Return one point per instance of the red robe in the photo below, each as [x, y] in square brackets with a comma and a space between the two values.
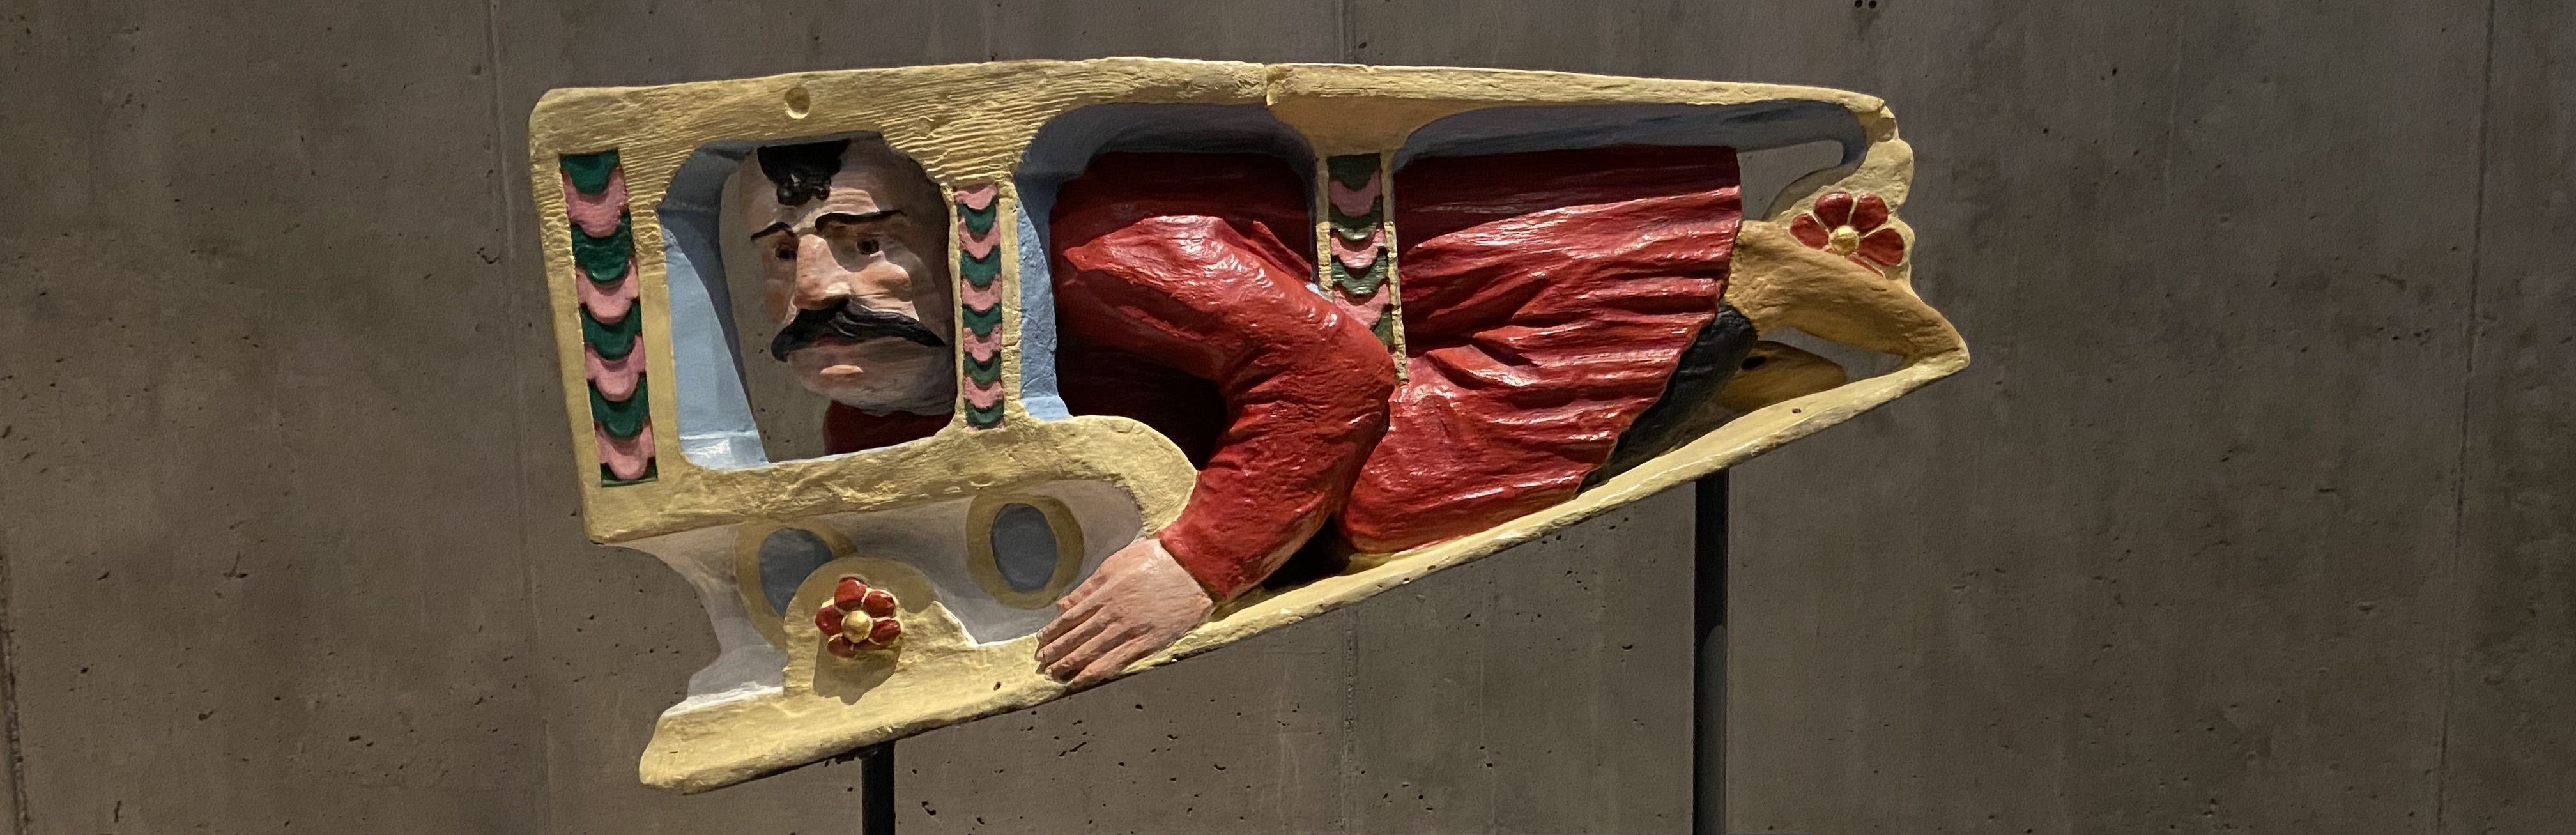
[1546, 299]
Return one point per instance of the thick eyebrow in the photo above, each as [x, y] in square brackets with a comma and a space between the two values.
[840, 218]
[835, 218]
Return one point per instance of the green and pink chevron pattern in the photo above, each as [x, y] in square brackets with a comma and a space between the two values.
[1355, 197]
[979, 263]
[612, 329]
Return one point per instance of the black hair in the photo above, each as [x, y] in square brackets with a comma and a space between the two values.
[802, 172]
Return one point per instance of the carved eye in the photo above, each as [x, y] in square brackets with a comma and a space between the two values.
[868, 246]
[785, 253]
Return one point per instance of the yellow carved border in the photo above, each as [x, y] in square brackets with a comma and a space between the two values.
[969, 124]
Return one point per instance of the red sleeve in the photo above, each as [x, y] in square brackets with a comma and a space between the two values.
[1305, 387]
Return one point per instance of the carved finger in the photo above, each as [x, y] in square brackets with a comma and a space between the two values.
[1092, 649]
[1065, 622]
[1115, 659]
[1054, 649]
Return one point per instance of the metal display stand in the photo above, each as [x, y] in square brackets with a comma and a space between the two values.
[876, 789]
[1708, 683]
[1708, 663]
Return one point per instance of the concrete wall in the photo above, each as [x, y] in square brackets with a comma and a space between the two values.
[2256, 511]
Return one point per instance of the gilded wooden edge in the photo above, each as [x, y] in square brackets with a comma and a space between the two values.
[967, 123]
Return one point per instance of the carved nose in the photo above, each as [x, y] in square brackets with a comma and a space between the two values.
[820, 282]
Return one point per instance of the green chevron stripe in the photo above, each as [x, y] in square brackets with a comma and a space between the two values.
[612, 341]
[1352, 170]
[620, 420]
[589, 172]
[981, 271]
[984, 418]
[981, 222]
[1385, 329]
[982, 321]
[608, 478]
[1365, 282]
[1358, 227]
[604, 258]
[984, 371]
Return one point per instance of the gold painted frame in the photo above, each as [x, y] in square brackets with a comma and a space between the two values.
[968, 125]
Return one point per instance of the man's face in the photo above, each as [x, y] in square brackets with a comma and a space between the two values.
[855, 275]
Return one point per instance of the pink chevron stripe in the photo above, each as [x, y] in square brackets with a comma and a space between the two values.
[979, 196]
[1353, 202]
[615, 378]
[1360, 256]
[982, 298]
[982, 348]
[983, 396]
[610, 305]
[626, 459]
[597, 214]
[1366, 311]
[979, 247]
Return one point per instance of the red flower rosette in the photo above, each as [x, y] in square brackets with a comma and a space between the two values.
[1852, 227]
[858, 619]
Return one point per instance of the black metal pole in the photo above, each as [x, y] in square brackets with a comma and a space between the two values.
[876, 789]
[1708, 668]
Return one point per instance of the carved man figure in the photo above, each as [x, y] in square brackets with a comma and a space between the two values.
[1553, 303]
[852, 241]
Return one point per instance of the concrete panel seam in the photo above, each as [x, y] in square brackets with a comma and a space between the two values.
[1348, 40]
[992, 17]
[20, 823]
[507, 207]
[2458, 605]
[1350, 724]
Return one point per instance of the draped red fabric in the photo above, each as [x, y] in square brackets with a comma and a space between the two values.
[1547, 298]
[1173, 267]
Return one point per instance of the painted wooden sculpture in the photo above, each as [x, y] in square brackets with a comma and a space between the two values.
[1130, 359]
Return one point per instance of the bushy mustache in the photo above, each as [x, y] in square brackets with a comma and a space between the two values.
[851, 321]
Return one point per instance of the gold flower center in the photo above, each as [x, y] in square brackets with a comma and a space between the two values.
[1845, 240]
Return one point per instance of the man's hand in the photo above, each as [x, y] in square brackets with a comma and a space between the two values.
[1140, 601]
